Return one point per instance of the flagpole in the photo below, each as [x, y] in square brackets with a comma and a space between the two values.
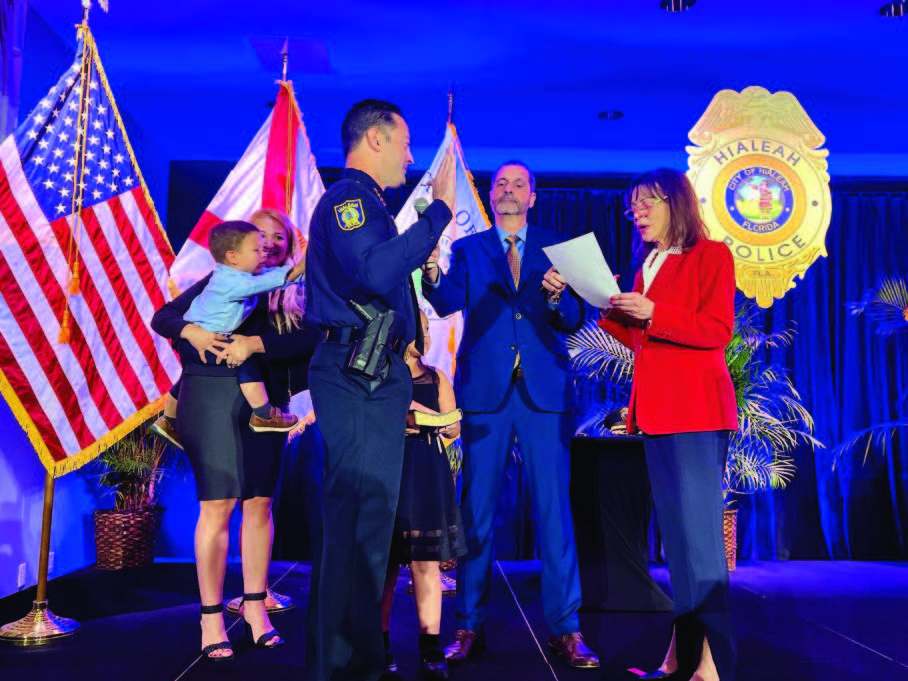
[451, 105]
[288, 180]
[284, 53]
[40, 626]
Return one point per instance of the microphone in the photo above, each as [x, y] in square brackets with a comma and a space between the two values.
[420, 205]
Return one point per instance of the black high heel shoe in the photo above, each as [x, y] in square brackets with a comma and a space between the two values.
[262, 641]
[433, 666]
[223, 645]
[432, 663]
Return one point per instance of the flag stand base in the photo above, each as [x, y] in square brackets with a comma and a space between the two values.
[38, 627]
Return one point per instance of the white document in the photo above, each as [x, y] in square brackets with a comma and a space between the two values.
[581, 263]
[301, 403]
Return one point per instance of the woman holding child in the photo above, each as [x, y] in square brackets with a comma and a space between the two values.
[230, 461]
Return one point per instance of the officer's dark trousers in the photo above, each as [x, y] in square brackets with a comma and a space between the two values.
[363, 425]
[686, 471]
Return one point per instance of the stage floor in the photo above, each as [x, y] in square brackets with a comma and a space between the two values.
[798, 621]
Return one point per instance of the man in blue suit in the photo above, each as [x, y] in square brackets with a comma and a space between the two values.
[512, 383]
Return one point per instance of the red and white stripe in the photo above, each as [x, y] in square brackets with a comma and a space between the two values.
[114, 365]
[278, 155]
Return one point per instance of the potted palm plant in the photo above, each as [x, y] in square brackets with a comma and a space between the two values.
[772, 421]
[886, 308]
[131, 470]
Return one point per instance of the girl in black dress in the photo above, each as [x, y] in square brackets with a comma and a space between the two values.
[428, 528]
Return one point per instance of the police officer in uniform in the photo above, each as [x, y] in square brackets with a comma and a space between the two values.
[356, 255]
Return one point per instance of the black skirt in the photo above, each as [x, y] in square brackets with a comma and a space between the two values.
[229, 460]
[428, 525]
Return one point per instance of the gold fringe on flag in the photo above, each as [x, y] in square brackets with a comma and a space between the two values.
[75, 282]
[64, 336]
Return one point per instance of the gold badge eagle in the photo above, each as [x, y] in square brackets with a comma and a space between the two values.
[350, 215]
[762, 181]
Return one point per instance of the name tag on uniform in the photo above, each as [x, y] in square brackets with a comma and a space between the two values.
[350, 215]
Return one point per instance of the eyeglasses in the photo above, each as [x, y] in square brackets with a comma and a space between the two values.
[644, 204]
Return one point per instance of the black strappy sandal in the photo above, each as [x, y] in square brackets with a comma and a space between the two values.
[223, 645]
[262, 641]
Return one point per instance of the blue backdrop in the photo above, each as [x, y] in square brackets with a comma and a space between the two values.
[848, 377]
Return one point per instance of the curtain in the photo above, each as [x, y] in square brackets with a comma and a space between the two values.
[848, 378]
[12, 34]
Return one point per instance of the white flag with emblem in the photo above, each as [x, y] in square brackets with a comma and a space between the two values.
[469, 217]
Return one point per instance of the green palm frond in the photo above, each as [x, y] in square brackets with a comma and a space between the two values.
[886, 306]
[593, 422]
[751, 470]
[879, 437]
[132, 468]
[773, 421]
[596, 354]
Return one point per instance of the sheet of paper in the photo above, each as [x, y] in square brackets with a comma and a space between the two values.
[301, 403]
[581, 262]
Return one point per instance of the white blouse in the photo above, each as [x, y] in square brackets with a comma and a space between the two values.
[654, 262]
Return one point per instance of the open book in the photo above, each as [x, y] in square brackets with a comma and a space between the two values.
[416, 419]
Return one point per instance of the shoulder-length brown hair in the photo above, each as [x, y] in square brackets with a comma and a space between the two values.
[686, 226]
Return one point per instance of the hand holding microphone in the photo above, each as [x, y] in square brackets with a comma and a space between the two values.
[430, 266]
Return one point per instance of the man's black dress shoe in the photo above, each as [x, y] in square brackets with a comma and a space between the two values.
[660, 675]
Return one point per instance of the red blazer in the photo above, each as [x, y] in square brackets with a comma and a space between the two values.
[681, 382]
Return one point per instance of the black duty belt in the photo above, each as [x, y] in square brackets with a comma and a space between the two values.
[517, 374]
[348, 335]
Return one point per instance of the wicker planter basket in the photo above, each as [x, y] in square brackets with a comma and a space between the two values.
[730, 526]
[125, 539]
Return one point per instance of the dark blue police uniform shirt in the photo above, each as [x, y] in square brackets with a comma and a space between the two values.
[355, 253]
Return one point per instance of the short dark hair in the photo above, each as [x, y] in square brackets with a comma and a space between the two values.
[521, 164]
[228, 236]
[364, 115]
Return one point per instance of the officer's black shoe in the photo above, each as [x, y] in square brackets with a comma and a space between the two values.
[391, 672]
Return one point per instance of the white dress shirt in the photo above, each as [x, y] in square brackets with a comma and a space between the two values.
[654, 262]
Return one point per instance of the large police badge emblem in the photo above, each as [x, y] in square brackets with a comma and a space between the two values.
[762, 180]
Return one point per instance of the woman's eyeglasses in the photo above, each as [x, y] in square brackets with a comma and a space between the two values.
[643, 204]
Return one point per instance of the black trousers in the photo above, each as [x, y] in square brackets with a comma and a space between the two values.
[686, 471]
[363, 424]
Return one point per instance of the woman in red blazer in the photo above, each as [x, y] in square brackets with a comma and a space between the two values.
[678, 320]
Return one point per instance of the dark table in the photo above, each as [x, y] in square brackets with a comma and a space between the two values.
[611, 502]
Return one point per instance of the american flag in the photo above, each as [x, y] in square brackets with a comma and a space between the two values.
[276, 171]
[83, 266]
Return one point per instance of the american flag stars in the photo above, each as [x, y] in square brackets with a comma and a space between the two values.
[84, 136]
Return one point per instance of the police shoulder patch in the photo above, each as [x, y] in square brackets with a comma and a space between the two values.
[350, 214]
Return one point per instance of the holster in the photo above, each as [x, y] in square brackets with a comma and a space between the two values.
[370, 351]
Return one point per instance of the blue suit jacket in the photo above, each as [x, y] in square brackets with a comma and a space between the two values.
[500, 320]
